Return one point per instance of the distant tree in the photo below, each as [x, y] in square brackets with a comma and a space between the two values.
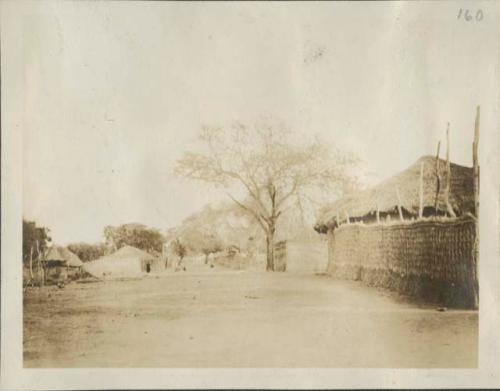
[35, 241]
[234, 226]
[211, 245]
[268, 167]
[136, 235]
[219, 225]
[179, 249]
[204, 241]
[199, 234]
[88, 252]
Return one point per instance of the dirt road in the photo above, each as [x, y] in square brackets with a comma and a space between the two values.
[217, 318]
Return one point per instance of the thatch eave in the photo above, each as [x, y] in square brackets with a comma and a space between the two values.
[384, 195]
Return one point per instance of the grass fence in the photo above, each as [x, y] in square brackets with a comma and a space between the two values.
[428, 259]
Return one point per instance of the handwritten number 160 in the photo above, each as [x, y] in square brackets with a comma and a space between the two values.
[466, 15]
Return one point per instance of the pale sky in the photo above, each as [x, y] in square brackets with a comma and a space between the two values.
[110, 94]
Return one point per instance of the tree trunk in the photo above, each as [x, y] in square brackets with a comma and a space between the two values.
[206, 258]
[31, 267]
[270, 250]
[40, 271]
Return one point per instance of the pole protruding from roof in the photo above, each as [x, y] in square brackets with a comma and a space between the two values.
[449, 209]
[421, 191]
[438, 178]
[400, 210]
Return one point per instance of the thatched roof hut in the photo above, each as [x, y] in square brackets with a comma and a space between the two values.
[55, 254]
[72, 259]
[362, 206]
[58, 255]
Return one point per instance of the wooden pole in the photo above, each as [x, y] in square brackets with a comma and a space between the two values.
[421, 191]
[438, 178]
[475, 163]
[400, 210]
[38, 262]
[31, 265]
[41, 273]
[449, 209]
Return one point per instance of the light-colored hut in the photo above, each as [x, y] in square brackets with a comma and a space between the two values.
[128, 261]
[302, 255]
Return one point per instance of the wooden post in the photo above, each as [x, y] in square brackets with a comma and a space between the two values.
[38, 262]
[421, 191]
[348, 219]
[449, 209]
[400, 210]
[31, 265]
[475, 163]
[438, 178]
[41, 270]
[378, 213]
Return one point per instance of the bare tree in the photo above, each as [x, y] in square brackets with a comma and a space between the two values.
[272, 170]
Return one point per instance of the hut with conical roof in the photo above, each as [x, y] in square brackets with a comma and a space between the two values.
[414, 233]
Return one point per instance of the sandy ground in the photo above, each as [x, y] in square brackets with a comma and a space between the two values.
[217, 318]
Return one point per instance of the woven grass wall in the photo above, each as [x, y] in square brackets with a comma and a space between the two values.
[427, 259]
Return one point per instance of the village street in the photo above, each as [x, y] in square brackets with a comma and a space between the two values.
[212, 317]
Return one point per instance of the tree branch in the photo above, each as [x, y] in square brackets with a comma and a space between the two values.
[250, 210]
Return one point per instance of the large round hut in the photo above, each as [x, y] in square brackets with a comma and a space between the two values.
[414, 233]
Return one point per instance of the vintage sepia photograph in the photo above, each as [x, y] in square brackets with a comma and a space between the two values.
[252, 184]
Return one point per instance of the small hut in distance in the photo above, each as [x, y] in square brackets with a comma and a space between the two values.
[73, 263]
[54, 266]
[404, 191]
[305, 252]
[60, 263]
[128, 261]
